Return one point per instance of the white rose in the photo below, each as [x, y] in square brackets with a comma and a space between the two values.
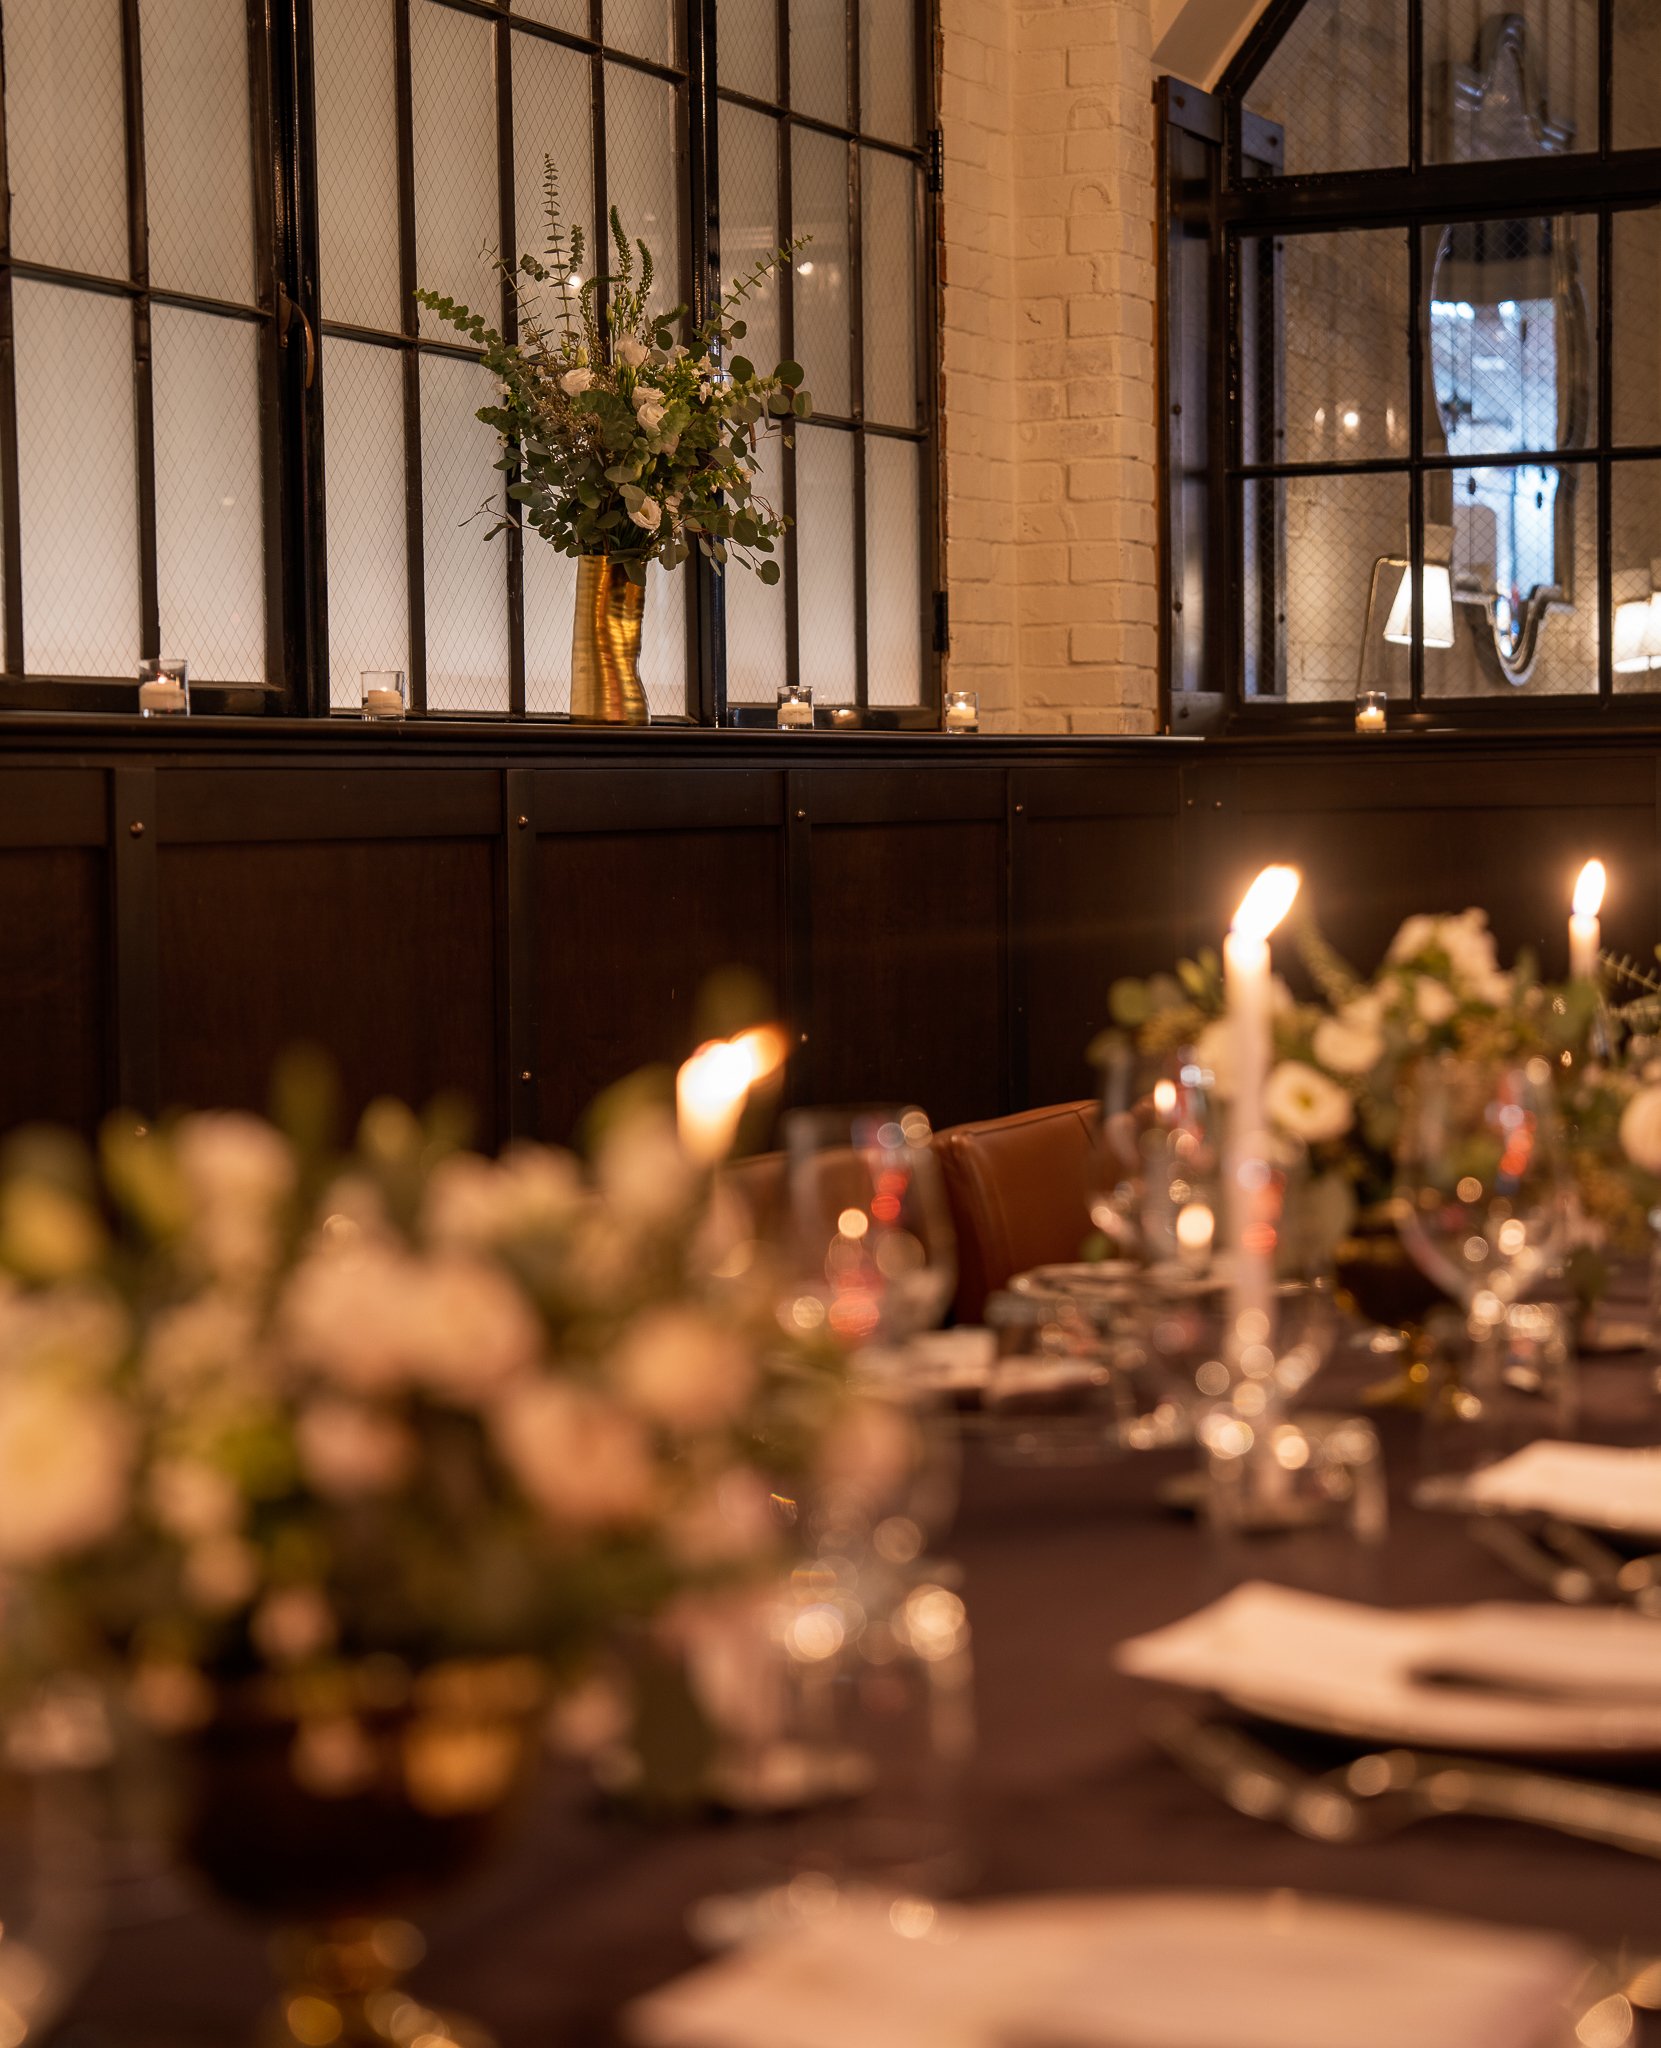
[648, 514]
[575, 382]
[1434, 1001]
[1641, 1130]
[642, 1172]
[1307, 1104]
[1214, 1050]
[475, 1203]
[192, 1500]
[226, 1156]
[1414, 938]
[64, 1464]
[1348, 1046]
[346, 1313]
[45, 1233]
[681, 1368]
[581, 1459]
[630, 352]
[348, 1450]
[470, 1328]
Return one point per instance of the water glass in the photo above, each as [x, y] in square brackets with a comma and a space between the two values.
[795, 707]
[1299, 1471]
[1515, 1384]
[164, 687]
[382, 692]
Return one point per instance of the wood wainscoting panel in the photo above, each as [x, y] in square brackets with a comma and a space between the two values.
[381, 951]
[54, 986]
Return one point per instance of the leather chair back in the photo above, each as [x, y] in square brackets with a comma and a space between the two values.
[1019, 1188]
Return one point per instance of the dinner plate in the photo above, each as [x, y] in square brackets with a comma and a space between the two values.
[1499, 1677]
[1164, 1969]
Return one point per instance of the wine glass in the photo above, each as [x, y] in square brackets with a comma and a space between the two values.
[870, 1252]
[1481, 1196]
[1158, 1183]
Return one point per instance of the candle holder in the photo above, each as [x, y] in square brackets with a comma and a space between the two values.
[382, 692]
[164, 687]
[795, 712]
[961, 711]
[1372, 710]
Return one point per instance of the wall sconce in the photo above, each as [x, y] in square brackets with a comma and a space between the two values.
[1637, 623]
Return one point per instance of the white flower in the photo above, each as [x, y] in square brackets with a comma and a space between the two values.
[200, 1341]
[475, 1203]
[1307, 1104]
[470, 1328]
[192, 1500]
[1641, 1130]
[1348, 1045]
[681, 1368]
[221, 1573]
[630, 352]
[292, 1624]
[644, 1175]
[346, 1313]
[348, 1450]
[648, 514]
[581, 1459]
[45, 1233]
[575, 382]
[64, 1464]
[238, 1172]
[1434, 1001]
[1416, 936]
[1214, 1050]
[704, 390]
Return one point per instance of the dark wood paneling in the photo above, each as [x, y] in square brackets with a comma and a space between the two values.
[1096, 898]
[219, 805]
[53, 807]
[380, 951]
[628, 927]
[654, 800]
[54, 986]
[907, 950]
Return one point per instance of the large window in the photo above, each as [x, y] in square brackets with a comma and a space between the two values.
[1414, 266]
[226, 431]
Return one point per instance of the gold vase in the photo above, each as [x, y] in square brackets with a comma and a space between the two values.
[605, 645]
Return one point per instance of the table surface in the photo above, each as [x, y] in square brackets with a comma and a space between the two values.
[1067, 1793]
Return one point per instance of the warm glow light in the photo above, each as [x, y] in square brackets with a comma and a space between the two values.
[1588, 890]
[1266, 902]
[1164, 1097]
[1196, 1226]
[714, 1084]
[1398, 628]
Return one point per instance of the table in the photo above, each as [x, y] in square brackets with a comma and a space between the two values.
[1067, 1793]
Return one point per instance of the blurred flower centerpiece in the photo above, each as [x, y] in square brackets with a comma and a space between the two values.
[1346, 1065]
[335, 1472]
[624, 445]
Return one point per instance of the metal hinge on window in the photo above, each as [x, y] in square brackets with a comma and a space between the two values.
[942, 623]
[936, 168]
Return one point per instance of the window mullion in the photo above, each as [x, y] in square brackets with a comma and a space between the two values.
[138, 269]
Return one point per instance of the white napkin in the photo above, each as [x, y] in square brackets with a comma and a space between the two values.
[1497, 1676]
[1132, 1970]
[1603, 1487]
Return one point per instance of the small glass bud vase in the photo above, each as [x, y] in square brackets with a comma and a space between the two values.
[961, 711]
[1372, 710]
[164, 687]
[795, 707]
[382, 692]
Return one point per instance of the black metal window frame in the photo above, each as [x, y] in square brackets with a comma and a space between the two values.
[293, 367]
[1221, 191]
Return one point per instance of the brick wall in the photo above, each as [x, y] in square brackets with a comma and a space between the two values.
[1048, 361]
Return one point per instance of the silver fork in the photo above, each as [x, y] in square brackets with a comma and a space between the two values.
[1387, 1790]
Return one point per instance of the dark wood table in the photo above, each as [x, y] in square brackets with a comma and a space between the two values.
[1067, 1793]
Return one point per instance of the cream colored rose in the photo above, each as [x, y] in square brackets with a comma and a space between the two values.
[192, 1500]
[1641, 1130]
[46, 1234]
[1346, 1046]
[679, 1367]
[469, 1328]
[347, 1313]
[1306, 1104]
[1214, 1051]
[1416, 936]
[648, 514]
[575, 382]
[1433, 1001]
[630, 352]
[65, 1460]
[581, 1459]
[349, 1451]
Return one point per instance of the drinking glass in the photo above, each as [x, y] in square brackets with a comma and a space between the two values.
[1517, 1386]
[1158, 1181]
[869, 1252]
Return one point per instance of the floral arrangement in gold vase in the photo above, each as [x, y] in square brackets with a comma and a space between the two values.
[623, 444]
[331, 1472]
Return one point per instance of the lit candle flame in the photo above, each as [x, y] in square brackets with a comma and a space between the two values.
[713, 1086]
[1266, 902]
[1588, 889]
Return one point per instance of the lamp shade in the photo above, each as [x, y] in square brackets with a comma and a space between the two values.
[1634, 631]
[1398, 627]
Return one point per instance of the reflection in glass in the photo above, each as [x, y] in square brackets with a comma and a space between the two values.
[1510, 80]
[1336, 83]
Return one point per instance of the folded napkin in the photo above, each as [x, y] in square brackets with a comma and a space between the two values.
[1596, 1484]
[1498, 1676]
[1130, 1970]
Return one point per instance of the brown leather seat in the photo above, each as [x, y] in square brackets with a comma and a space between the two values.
[1019, 1189]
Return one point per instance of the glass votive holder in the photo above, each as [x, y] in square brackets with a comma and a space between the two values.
[960, 711]
[164, 686]
[1372, 711]
[795, 712]
[1275, 1473]
[382, 692]
[1515, 1383]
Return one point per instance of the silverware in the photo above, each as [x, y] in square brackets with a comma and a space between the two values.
[1386, 1790]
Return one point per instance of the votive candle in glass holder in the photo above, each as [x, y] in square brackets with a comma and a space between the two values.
[795, 707]
[164, 686]
[382, 691]
[961, 711]
[1372, 709]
